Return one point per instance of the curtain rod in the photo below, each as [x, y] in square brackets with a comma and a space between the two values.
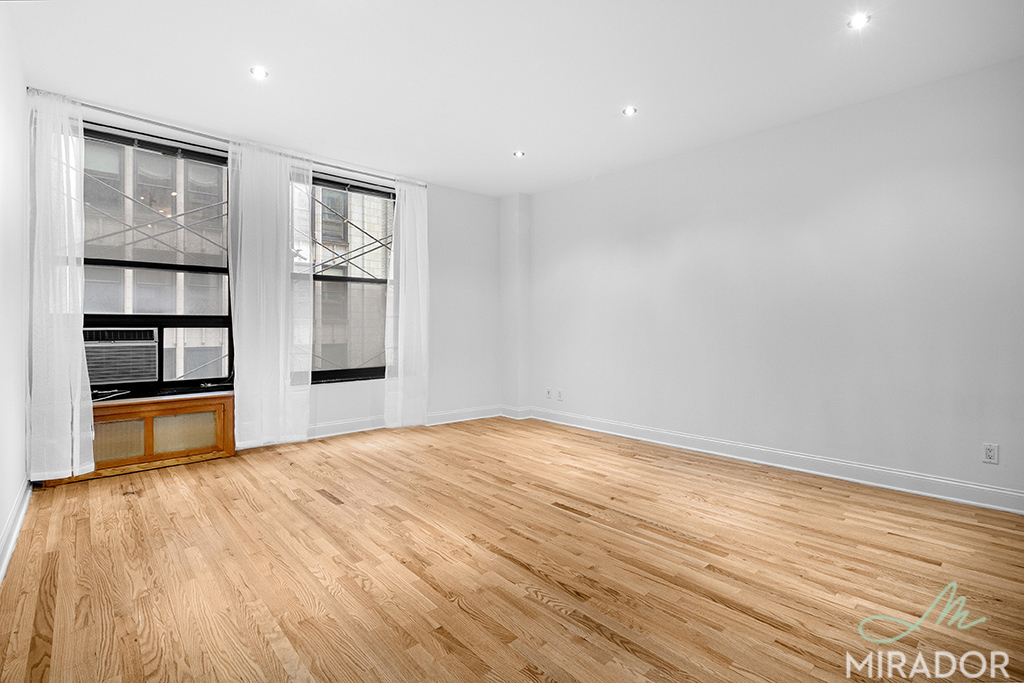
[226, 141]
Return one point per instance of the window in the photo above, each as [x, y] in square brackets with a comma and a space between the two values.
[352, 230]
[155, 260]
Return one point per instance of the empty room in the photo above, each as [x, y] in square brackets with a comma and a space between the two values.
[526, 341]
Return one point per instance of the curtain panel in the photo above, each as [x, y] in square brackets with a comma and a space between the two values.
[60, 426]
[407, 318]
[271, 270]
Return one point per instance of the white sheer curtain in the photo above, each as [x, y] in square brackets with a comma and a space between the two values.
[408, 298]
[270, 261]
[60, 402]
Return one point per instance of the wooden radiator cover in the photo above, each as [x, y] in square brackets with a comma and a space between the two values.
[138, 434]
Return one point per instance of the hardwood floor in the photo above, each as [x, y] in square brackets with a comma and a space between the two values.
[496, 550]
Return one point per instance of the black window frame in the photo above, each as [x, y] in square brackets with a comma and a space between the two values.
[162, 322]
[349, 374]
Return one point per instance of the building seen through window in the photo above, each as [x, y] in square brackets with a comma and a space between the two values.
[155, 263]
[157, 311]
[352, 232]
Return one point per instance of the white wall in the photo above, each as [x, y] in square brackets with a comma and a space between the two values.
[13, 309]
[843, 295]
[464, 319]
[513, 300]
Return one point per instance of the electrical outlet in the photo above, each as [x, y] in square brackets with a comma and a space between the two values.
[559, 394]
[991, 453]
[547, 393]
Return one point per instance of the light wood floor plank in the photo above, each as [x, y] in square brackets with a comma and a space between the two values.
[491, 550]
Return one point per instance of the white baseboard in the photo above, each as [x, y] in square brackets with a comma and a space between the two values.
[12, 528]
[447, 416]
[517, 413]
[364, 424]
[325, 429]
[982, 495]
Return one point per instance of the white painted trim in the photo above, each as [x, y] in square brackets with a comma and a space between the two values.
[362, 424]
[982, 495]
[12, 528]
[448, 416]
[325, 429]
[517, 413]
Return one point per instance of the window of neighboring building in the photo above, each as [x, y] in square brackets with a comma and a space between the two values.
[156, 268]
[352, 228]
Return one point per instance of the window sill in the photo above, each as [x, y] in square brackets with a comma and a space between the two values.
[107, 394]
[354, 375]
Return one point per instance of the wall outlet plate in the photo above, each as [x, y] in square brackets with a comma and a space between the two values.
[547, 394]
[990, 454]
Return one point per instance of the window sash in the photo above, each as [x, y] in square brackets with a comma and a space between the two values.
[349, 271]
[195, 219]
[375, 371]
[194, 195]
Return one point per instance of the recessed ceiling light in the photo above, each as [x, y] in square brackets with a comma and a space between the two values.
[859, 20]
[629, 111]
[259, 73]
[518, 154]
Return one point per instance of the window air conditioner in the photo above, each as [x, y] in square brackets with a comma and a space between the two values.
[121, 355]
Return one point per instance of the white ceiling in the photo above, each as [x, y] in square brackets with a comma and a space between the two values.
[445, 90]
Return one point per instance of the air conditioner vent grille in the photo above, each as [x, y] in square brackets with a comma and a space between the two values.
[119, 335]
[116, 356]
[121, 363]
